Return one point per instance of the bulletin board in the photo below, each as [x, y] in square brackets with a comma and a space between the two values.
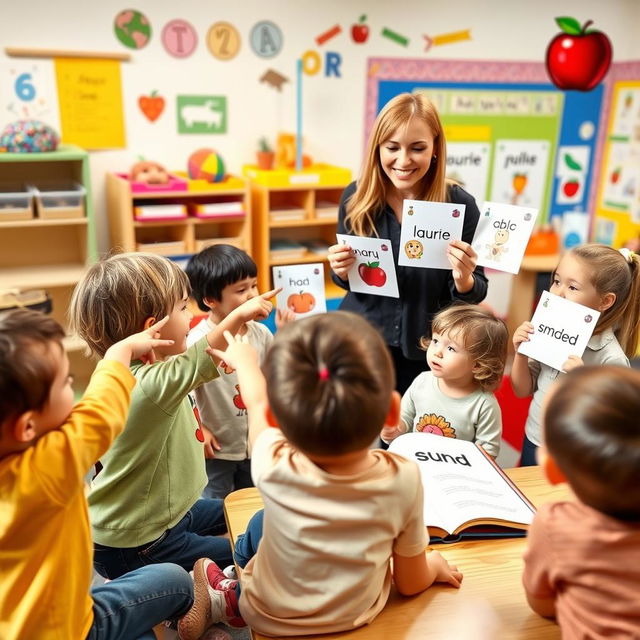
[512, 136]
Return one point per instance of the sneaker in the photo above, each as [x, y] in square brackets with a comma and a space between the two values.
[230, 572]
[214, 601]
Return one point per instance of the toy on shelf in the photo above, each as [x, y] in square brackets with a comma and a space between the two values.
[286, 152]
[206, 164]
[28, 136]
[543, 242]
[149, 172]
[265, 155]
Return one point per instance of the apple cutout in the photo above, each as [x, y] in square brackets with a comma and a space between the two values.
[615, 175]
[578, 58]
[570, 188]
[152, 106]
[372, 274]
[360, 31]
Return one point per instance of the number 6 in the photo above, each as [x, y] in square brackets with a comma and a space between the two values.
[24, 88]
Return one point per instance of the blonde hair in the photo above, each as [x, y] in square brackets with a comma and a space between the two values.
[483, 335]
[117, 295]
[371, 192]
[613, 272]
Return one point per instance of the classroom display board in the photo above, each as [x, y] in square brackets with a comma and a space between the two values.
[512, 136]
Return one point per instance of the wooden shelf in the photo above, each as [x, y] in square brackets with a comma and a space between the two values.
[307, 258]
[182, 195]
[307, 222]
[49, 275]
[38, 222]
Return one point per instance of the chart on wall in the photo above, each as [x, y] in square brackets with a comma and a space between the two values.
[512, 136]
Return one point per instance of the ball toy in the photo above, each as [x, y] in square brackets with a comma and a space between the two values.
[28, 136]
[206, 164]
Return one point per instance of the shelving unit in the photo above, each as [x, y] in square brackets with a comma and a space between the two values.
[51, 254]
[184, 236]
[296, 207]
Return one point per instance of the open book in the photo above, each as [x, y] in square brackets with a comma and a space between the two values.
[466, 494]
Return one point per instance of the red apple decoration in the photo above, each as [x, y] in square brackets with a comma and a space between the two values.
[372, 274]
[360, 31]
[570, 188]
[578, 58]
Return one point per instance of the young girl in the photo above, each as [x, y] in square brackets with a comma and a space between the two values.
[406, 159]
[336, 512]
[603, 279]
[466, 355]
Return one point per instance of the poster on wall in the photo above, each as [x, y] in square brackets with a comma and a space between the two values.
[468, 164]
[90, 102]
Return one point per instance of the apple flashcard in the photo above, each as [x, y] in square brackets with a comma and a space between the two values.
[502, 235]
[374, 270]
[427, 229]
[302, 288]
[562, 329]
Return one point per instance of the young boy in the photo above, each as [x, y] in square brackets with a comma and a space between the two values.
[144, 503]
[46, 448]
[222, 278]
[582, 565]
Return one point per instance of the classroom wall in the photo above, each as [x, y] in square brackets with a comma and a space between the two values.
[333, 106]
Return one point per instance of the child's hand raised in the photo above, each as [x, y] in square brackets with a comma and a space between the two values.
[388, 434]
[522, 334]
[139, 346]
[258, 308]
[284, 317]
[237, 352]
[572, 362]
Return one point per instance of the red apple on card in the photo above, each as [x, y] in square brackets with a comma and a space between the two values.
[360, 31]
[578, 57]
[372, 274]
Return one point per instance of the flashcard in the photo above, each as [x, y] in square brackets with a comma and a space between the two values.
[302, 288]
[502, 235]
[427, 229]
[374, 271]
[562, 329]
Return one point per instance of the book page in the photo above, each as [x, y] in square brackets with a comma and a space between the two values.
[460, 483]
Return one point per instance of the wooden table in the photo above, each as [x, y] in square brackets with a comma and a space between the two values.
[492, 573]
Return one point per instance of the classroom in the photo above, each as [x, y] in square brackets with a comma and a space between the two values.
[407, 238]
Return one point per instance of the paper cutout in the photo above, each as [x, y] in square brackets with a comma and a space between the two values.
[90, 99]
[274, 79]
[446, 38]
[562, 328]
[427, 229]
[374, 271]
[151, 106]
[360, 30]
[132, 28]
[179, 38]
[327, 35]
[302, 288]
[266, 39]
[396, 37]
[202, 114]
[223, 41]
[502, 235]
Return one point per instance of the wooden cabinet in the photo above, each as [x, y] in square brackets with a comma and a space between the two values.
[295, 219]
[50, 253]
[228, 220]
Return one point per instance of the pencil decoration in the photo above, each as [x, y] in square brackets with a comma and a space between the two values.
[446, 38]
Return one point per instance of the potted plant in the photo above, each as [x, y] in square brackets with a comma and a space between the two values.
[265, 155]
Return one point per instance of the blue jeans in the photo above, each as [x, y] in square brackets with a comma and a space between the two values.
[130, 606]
[247, 542]
[528, 457]
[195, 536]
[226, 476]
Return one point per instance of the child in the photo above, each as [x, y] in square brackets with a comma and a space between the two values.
[466, 355]
[335, 510]
[46, 448]
[582, 564]
[603, 279]
[144, 503]
[223, 277]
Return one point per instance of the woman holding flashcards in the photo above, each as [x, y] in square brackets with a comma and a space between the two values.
[406, 159]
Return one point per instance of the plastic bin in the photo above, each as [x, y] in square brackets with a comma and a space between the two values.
[59, 200]
[16, 202]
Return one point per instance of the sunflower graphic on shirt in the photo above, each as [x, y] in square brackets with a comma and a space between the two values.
[432, 423]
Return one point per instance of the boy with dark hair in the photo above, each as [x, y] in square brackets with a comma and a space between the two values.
[222, 277]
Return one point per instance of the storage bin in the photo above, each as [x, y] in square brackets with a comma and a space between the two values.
[59, 200]
[175, 183]
[173, 248]
[159, 212]
[16, 202]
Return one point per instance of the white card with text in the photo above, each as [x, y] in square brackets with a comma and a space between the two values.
[302, 288]
[427, 229]
[374, 270]
[562, 329]
[502, 235]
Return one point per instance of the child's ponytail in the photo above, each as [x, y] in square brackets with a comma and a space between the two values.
[629, 332]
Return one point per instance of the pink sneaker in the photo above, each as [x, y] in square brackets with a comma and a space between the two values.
[214, 601]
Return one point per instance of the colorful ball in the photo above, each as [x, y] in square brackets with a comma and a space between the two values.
[206, 164]
[27, 136]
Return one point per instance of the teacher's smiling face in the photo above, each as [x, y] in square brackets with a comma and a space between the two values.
[406, 156]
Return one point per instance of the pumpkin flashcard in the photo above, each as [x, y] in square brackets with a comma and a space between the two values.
[374, 271]
[427, 230]
[562, 329]
[302, 288]
[502, 235]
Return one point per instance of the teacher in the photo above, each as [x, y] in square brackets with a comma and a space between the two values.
[406, 159]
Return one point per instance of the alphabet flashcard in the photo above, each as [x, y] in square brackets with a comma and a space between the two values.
[302, 288]
[562, 329]
[374, 270]
[502, 235]
[427, 229]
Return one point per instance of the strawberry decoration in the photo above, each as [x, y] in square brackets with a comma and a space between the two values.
[151, 106]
